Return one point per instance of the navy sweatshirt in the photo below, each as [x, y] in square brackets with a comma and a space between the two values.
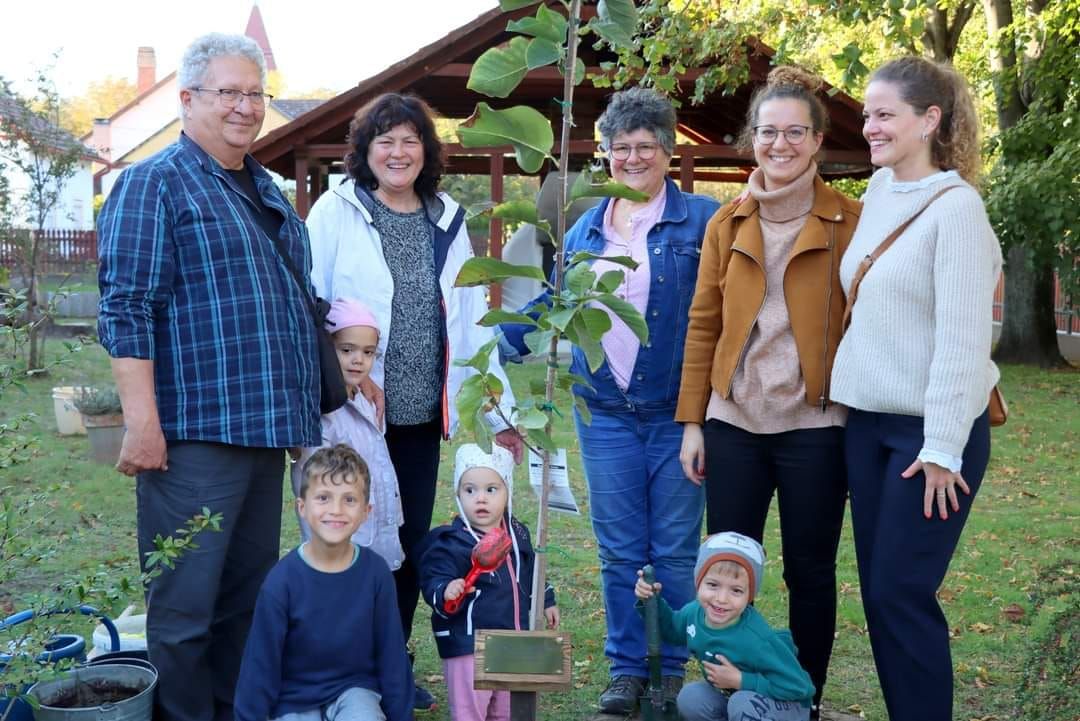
[446, 554]
[317, 634]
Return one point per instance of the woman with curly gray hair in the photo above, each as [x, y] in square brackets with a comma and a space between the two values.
[644, 510]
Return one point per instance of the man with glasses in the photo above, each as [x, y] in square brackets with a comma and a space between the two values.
[213, 351]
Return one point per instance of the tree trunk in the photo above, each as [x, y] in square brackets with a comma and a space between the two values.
[1028, 330]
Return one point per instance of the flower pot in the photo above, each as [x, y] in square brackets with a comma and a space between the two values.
[117, 692]
[106, 434]
[68, 419]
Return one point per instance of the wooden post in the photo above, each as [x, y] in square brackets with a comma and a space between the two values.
[686, 172]
[303, 200]
[495, 228]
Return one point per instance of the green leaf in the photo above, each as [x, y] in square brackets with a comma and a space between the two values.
[623, 260]
[481, 359]
[609, 281]
[596, 322]
[566, 381]
[482, 431]
[508, 5]
[627, 314]
[541, 52]
[579, 279]
[497, 316]
[480, 271]
[532, 419]
[583, 410]
[499, 70]
[562, 318]
[584, 187]
[594, 352]
[523, 211]
[470, 400]
[542, 439]
[521, 126]
[547, 24]
[621, 12]
[539, 341]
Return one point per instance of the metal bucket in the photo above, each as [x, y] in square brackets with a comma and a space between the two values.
[133, 657]
[57, 695]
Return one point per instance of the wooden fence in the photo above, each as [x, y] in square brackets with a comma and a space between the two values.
[1066, 313]
[59, 251]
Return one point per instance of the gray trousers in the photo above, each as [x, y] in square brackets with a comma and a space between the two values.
[354, 704]
[199, 613]
[700, 701]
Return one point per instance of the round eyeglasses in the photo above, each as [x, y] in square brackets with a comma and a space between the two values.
[621, 151]
[793, 134]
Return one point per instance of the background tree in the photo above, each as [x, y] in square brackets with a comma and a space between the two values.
[33, 146]
[1022, 59]
[101, 99]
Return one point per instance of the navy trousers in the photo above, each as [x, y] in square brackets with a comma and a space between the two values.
[805, 469]
[903, 557]
[200, 611]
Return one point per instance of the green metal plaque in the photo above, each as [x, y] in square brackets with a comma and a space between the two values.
[523, 655]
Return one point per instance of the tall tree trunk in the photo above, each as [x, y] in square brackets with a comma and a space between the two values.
[1026, 336]
[1028, 330]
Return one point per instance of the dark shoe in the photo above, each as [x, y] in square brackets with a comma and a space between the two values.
[423, 700]
[671, 685]
[622, 694]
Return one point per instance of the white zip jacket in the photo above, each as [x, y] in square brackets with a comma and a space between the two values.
[348, 262]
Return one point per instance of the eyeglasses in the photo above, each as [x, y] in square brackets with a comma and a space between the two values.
[230, 97]
[794, 134]
[621, 151]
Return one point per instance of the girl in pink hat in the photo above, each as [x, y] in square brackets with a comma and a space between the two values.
[356, 424]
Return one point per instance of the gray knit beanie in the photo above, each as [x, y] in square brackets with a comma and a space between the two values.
[731, 546]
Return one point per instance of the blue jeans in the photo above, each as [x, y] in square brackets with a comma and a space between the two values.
[644, 510]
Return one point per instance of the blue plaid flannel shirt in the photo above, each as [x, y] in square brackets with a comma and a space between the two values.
[190, 281]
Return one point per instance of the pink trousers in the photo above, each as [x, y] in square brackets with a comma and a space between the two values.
[467, 703]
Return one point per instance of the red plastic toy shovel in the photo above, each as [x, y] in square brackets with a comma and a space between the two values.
[487, 555]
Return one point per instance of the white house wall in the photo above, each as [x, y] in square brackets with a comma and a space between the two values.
[73, 211]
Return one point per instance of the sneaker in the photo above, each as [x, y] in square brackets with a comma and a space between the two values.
[622, 694]
[423, 700]
[671, 685]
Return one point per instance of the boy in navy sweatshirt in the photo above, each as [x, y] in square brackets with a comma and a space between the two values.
[326, 641]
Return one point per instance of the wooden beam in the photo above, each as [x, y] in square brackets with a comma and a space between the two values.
[495, 228]
[462, 70]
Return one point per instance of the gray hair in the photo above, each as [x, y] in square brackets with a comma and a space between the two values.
[639, 109]
[198, 55]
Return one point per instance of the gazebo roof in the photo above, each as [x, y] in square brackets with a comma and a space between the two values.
[439, 73]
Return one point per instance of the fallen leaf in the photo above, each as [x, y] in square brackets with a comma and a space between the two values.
[981, 627]
[1014, 612]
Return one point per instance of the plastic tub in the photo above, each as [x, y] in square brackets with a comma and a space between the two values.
[68, 419]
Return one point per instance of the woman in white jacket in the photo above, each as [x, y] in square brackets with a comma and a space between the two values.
[388, 238]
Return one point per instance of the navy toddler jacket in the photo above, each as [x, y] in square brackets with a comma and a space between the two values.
[446, 554]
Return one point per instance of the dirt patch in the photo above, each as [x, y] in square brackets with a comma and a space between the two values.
[90, 694]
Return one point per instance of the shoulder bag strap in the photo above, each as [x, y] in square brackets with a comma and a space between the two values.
[869, 260]
[295, 273]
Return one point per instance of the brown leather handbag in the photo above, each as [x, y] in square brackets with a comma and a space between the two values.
[998, 408]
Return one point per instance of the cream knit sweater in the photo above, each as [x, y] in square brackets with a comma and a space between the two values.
[920, 334]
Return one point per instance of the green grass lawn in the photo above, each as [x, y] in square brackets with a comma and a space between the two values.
[1011, 578]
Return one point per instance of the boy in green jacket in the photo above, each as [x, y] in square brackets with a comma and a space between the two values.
[751, 670]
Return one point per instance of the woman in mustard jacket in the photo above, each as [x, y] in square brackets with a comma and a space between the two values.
[764, 325]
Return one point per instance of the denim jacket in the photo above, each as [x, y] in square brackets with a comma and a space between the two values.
[674, 245]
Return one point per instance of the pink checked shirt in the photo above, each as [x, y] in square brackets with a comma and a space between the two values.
[620, 344]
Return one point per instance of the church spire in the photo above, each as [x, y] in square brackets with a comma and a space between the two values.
[257, 32]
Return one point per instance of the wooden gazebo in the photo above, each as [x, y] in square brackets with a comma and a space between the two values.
[308, 148]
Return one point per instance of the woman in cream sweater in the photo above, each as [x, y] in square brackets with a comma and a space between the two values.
[914, 368]
[764, 324]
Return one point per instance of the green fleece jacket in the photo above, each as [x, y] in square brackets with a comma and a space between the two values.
[765, 657]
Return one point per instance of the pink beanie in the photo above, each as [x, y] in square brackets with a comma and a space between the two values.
[346, 313]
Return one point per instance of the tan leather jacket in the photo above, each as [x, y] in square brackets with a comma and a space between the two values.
[730, 292]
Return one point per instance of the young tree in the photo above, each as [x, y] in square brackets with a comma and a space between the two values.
[45, 158]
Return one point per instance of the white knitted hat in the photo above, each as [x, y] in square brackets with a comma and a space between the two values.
[501, 461]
